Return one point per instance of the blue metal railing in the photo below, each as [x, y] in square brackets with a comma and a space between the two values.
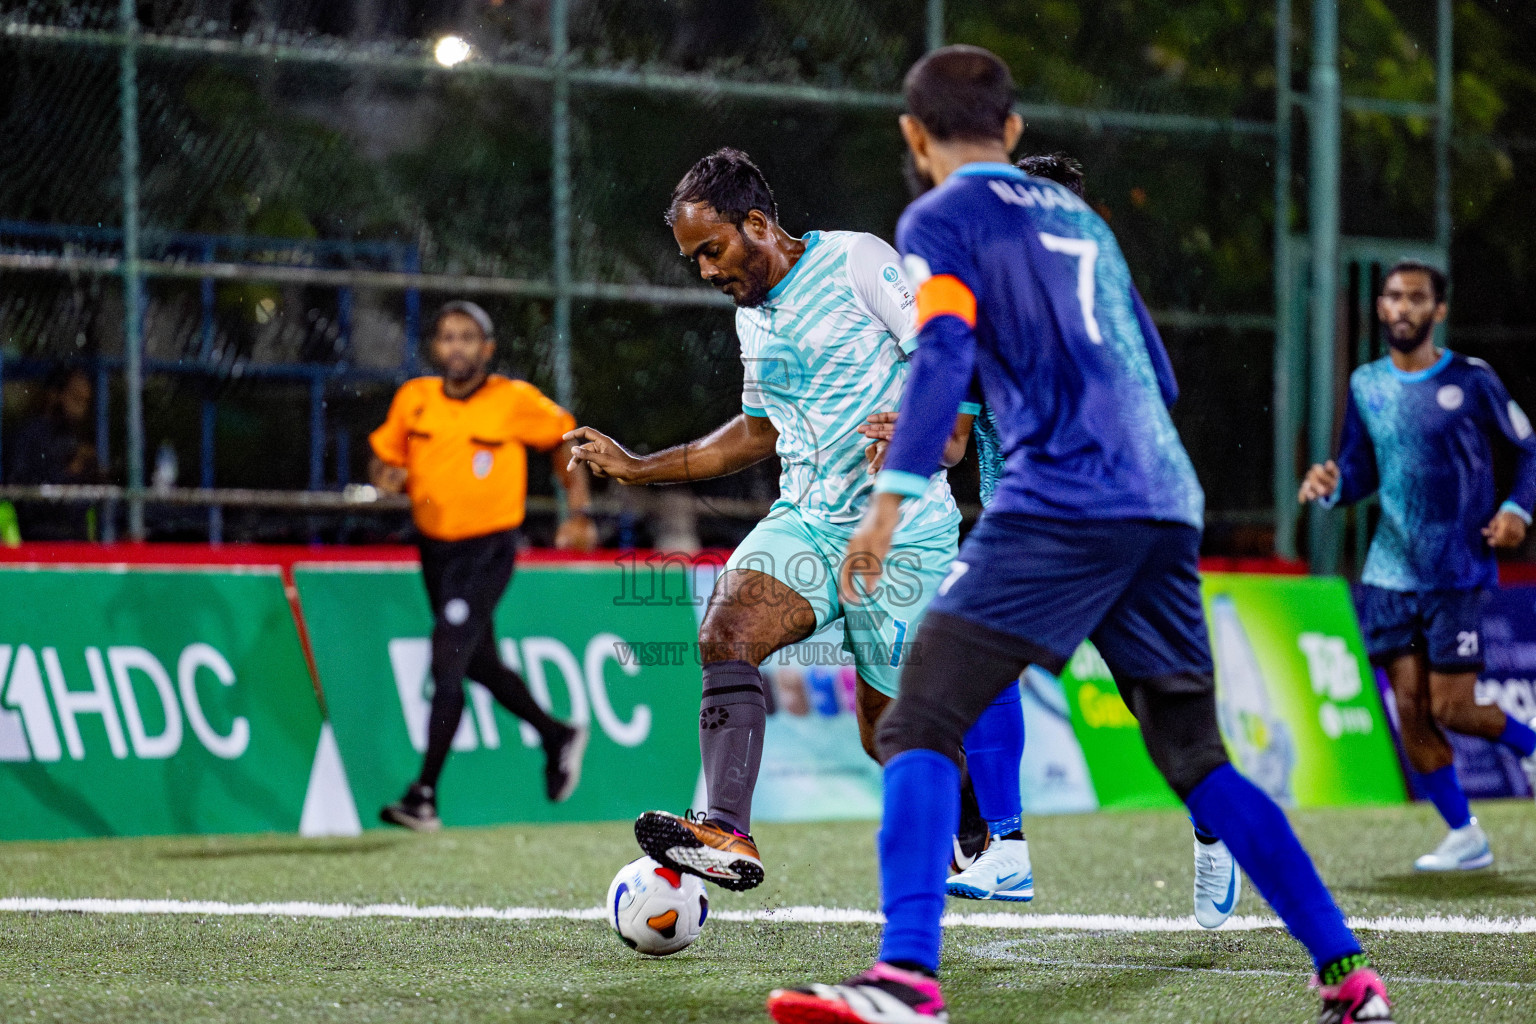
[194, 247]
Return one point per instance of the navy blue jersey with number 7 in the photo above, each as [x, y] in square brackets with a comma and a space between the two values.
[1021, 284]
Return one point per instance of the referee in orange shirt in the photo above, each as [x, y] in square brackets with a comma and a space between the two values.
[457, 444]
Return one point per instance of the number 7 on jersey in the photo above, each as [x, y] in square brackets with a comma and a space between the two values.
[1087, 252]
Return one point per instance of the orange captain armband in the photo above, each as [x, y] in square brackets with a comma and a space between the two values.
[945, 295]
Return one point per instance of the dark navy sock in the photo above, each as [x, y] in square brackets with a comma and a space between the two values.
[993, 748]
[1518, 737]
[1444, 791]
[922, 811]
[1260, 837]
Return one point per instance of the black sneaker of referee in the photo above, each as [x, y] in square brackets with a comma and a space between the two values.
[417, 810]
[562, 762]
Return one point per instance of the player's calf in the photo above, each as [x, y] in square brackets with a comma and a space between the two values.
[869, 707]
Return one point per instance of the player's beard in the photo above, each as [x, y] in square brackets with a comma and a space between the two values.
[755, 266]
[462, 372]
[1413, 340]
[917, 181]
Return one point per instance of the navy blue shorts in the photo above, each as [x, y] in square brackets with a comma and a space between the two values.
[1131, 586]
[1443, 625]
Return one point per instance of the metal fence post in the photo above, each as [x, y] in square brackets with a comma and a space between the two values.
[1284, 402]
[317, 431]
[411, 358]
[210, 422]
[560, 199]
[208, 298]
[1323, 217]
[103, 413]
[935, 24]
[1443, 112]
[133, 312]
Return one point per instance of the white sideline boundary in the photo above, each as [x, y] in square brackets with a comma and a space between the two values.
[1431, 925]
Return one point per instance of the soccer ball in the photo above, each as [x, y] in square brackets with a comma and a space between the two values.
[655, 910]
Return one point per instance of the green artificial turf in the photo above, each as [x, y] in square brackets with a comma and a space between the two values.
[110, 968]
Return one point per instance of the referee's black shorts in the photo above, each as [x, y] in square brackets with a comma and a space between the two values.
[466, 578]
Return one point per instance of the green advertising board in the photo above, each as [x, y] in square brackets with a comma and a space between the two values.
[1295, 699]
[151, 702]
[591, 651]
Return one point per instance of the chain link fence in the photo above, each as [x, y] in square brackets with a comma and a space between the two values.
[312, 181]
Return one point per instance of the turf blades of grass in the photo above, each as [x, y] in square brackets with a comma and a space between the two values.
[95, 969]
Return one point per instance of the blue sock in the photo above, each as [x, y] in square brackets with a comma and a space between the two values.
[1260, 837]
[922, 811]
[993, 748]
[1517, 736]
[1444, 791]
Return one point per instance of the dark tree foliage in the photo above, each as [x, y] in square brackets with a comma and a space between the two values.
[458, 165]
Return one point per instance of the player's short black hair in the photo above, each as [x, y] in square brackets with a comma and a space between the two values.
[730, 183]
[473, 310]
[1058, 167]
[960, 92]
[1437, 279]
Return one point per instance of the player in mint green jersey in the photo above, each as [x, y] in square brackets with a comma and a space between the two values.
[826, 323]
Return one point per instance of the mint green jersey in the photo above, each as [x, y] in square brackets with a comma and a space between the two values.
[827, 349]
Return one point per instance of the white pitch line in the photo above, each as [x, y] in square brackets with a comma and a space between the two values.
[329, 911]
[1434, 924]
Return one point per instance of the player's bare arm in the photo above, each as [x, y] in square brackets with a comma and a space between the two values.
[881, 427]
[1505, 530]
[1321, 481]
[741, 442]
[867, 549]
[387, 478]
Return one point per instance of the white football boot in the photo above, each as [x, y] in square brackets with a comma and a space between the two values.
[1001, 872]
[1218, 884]
[1462, 849]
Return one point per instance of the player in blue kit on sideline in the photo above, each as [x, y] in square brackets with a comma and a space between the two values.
[1093, 532]
[1420, 427]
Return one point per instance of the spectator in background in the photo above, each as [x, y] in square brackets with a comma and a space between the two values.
[51, 448]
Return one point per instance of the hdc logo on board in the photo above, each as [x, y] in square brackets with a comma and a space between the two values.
[41, 709]
[410, 658]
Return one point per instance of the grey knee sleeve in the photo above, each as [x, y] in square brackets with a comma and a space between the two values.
[732, 716]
